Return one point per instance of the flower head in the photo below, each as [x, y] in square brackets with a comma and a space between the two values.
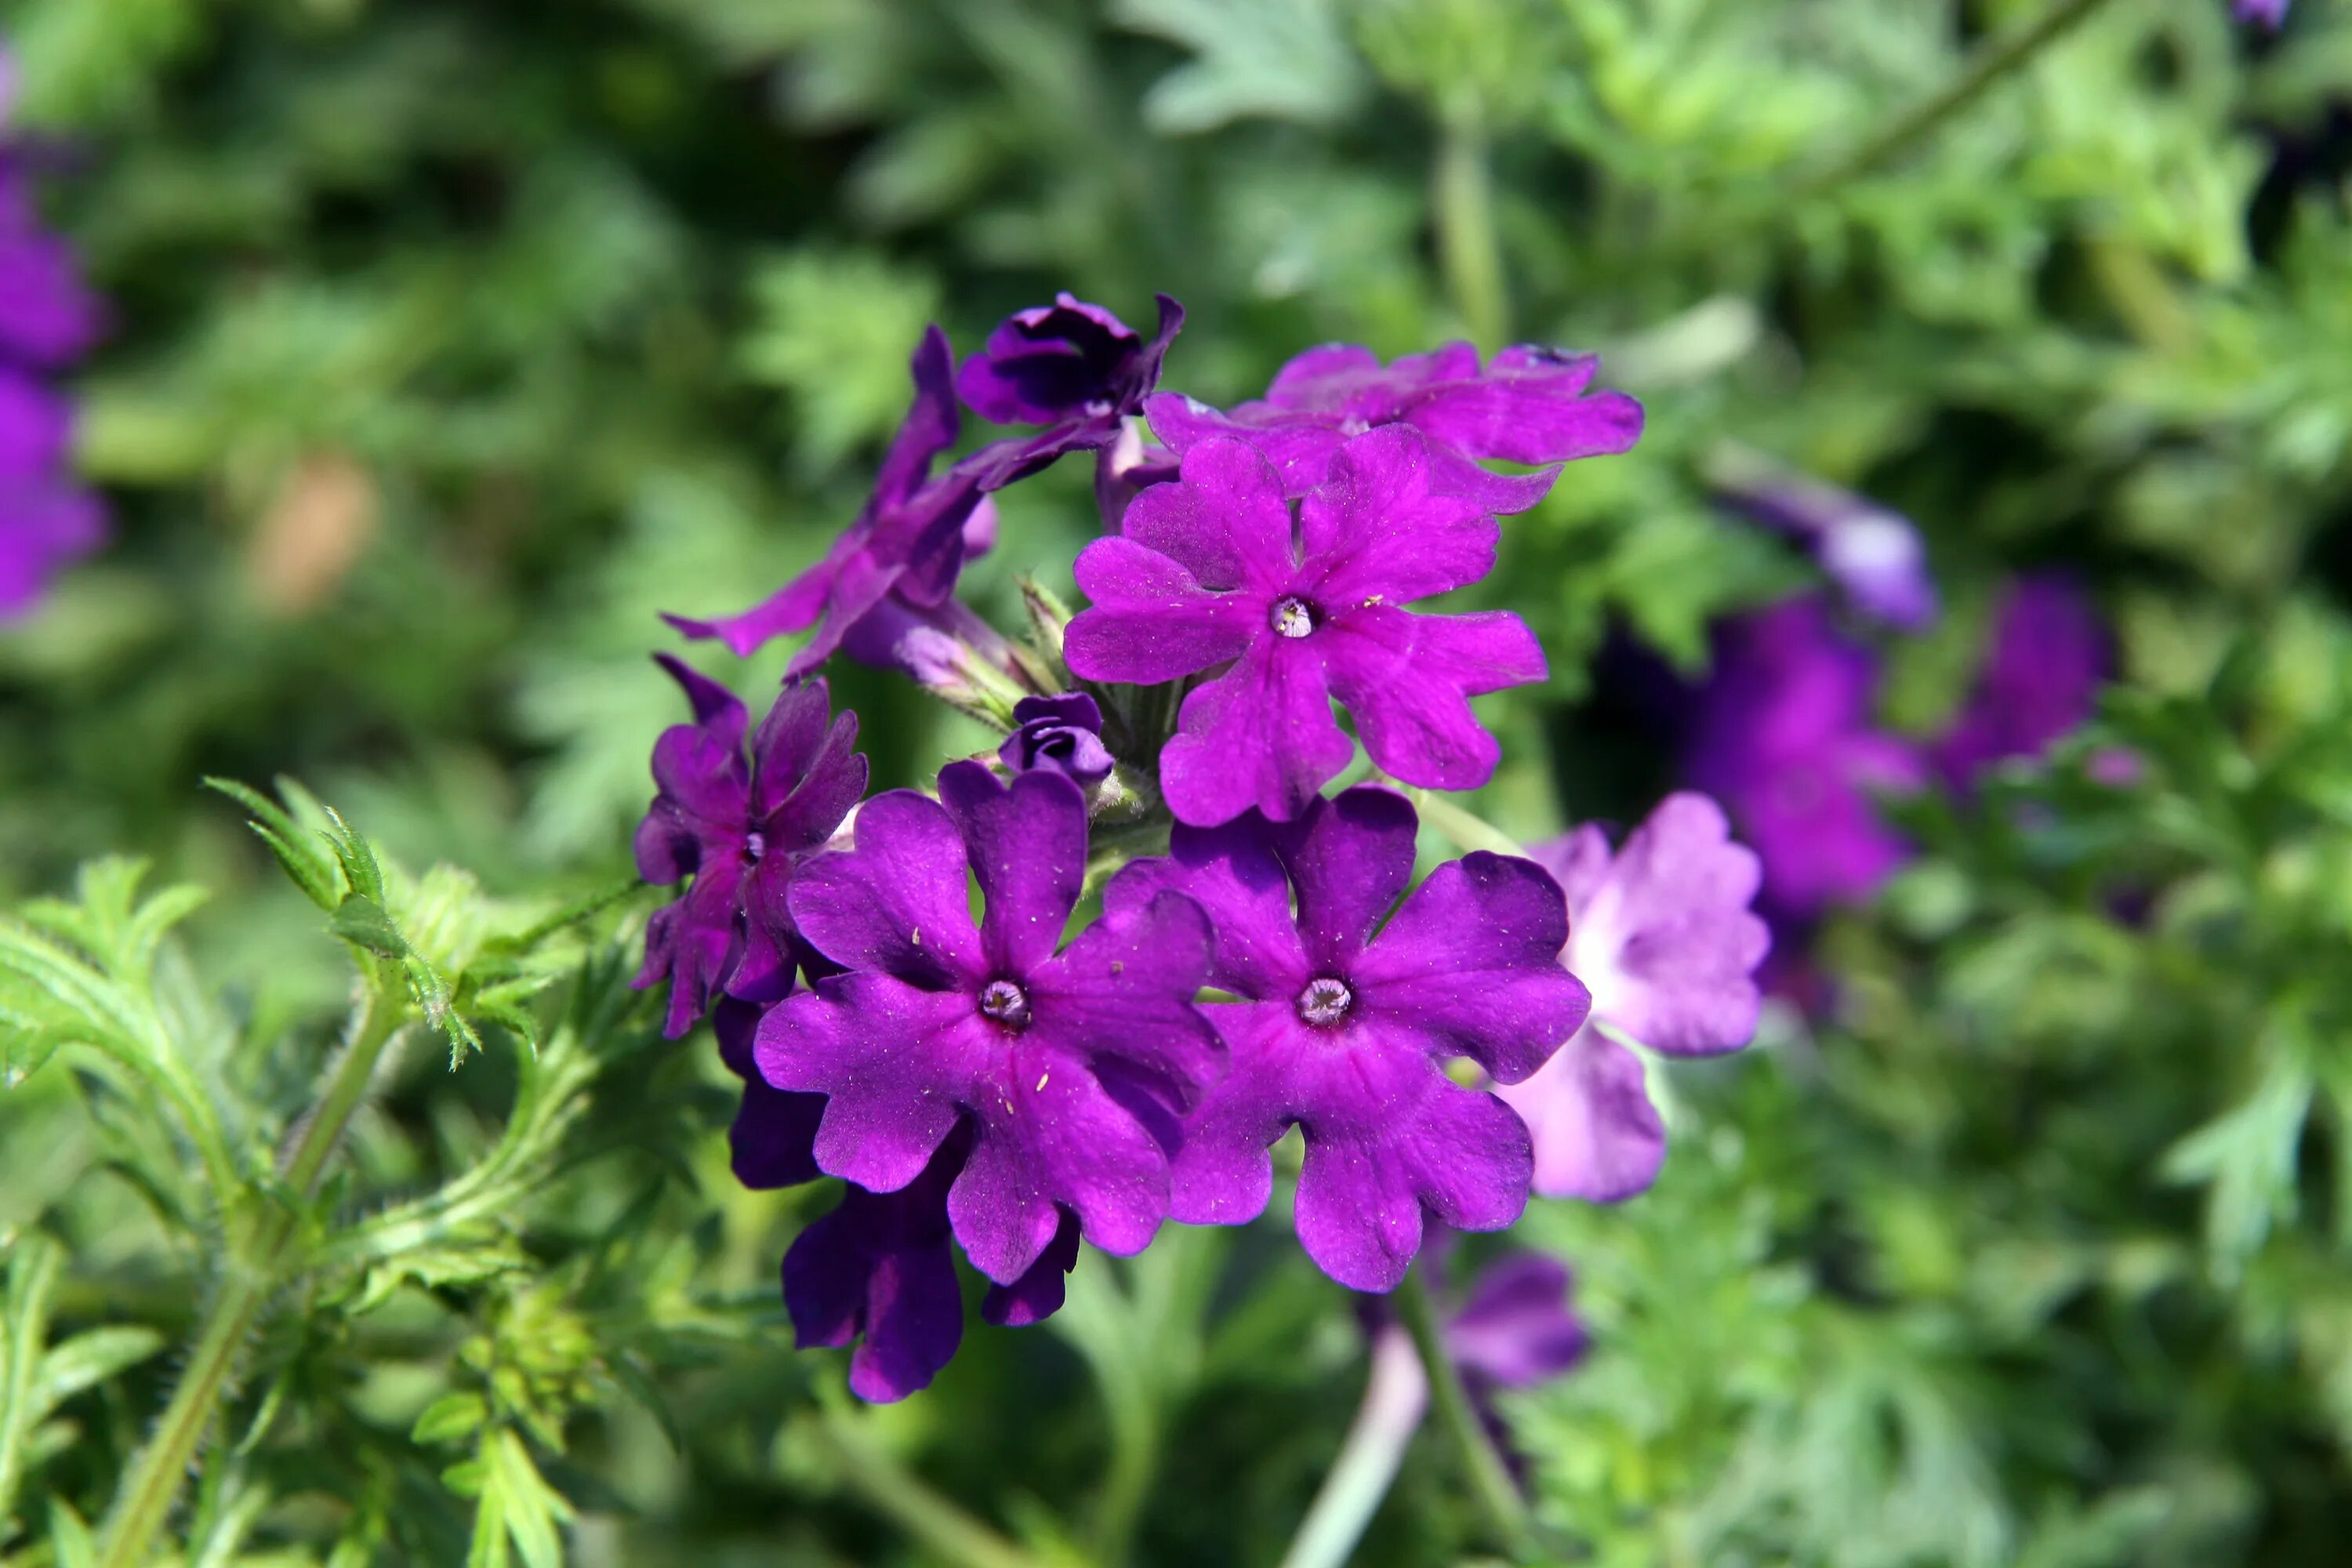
[1069, 1064]
[2041, 678]
[742, 826]
[2271, 14]
[911, 539]
[1874, 555]
[1065, 362]
[1782, 736]
[1514, 1328]
[1345, 1023]
[47, 318]
[1662, 934]
[1063, 733]
[1209, 571]
[1530, 405]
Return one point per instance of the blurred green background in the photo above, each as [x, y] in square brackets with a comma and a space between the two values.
[452, 340]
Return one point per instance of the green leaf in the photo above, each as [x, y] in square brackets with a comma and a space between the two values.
[450, 1417]
[1277, 60]
[69, 1538]
[361, 921]
[91, 1357]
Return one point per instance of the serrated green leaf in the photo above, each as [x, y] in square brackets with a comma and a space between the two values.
[361, 922]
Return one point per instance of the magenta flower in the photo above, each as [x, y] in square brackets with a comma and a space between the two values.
[1530, 405]
[1347, 1023]
[1064, 362]
[1874, 555]
[1067, 1065]
[1782, 735]
[1662, 935]
[911, 540]
[1210, 572]
[47, 318]
[2271, 14]
[877, 1272]
[741, 828]
[1514, 1328]
[2040, 681]
[1063, 733]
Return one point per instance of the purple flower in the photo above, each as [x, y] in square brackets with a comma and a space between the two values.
[1528, 406]
[742, 829]
[2271, 14]
[911, 540]
[1662, 935]
[2040, 678]
[1063, 733]
[1874, 555]
[1069, 1067]
[1065, 362]
[1210, 572]
[1125, 469]
[1782, 735]
[1514, 1328]
[770, 1142]
[47, 318]
[1344, 1030]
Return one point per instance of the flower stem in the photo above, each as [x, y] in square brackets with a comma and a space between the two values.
[1464, 197]
[143, 1502]
[1994, 61]
[1490, 1479]
[907, 1500]
[1396, 1397]
[1466, 829]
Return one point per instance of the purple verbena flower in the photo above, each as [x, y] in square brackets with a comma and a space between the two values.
[1069, 1065]
[1782, 735]
[1125, 469]
[1662, 935]
[2047, 658]
[742, 828]
[1212, 572]
[1063, 733]
[1530, 405]
[47, 318]
[1874, 555]
[1514, 1328]
[1064, 362]
[1345, 1023]
[2271, 14]
[911, 540]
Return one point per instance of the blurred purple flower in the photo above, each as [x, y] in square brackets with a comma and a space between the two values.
[2271, 14]
[1782, 735]
[1211, 572]
[1514, 1328]
[1063, 733]
[1066, 362]
[2046, 659]
[742, 828]
[1530, 405]
[1662, 935]
[1874, 555]
[47, 319]
[1069, 1065]
[1347, 1023]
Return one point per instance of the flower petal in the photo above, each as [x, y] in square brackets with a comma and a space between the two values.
[1530, 406]
[1406, 679]
[1224, 520]
[1053, 1142]
[1377, 531]
[1027, 843]
[1151, 621]
[1038, 1294]
[895, 1060]
[1125, 990]
[897, 902]
[1470, 965]
[1350, 859]
[1232, 872]
[1261, 735]
[1596, 1135]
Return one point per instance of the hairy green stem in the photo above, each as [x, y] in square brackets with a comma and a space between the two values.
[143, 1502]
[1994, 61]
[907, 1500]
[1468, 246]
[1491, 1484]
[1396, 1398]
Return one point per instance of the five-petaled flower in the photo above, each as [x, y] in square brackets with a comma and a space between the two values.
[1347, 1023]
[1530, 405]
[1211, 570]
[1070, 1065]
[1663, 933]
[742, 827]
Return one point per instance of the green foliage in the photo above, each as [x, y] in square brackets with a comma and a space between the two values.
[453, 340]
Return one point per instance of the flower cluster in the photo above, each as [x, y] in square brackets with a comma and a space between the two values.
[46, 319]
[1014, 1082]
[1785, 731]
